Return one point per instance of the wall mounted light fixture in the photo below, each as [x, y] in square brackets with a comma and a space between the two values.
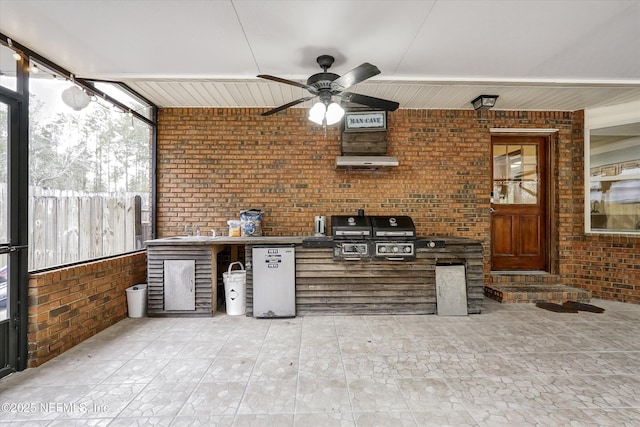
[484, 102]
[16, 55]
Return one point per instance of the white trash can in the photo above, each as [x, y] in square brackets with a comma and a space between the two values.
[235, 283]
[137, 300]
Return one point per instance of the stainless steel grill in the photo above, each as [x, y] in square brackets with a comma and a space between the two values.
[373, 237]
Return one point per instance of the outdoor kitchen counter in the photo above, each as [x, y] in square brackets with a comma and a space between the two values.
[224, 240]
[195, 259]
[324, 285]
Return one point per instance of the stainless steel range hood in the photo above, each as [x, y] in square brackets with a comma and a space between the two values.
[365, 162]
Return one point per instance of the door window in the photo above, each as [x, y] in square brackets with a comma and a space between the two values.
[515, 174]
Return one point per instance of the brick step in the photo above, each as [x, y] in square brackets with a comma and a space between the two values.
[508, 293]
[523, 277]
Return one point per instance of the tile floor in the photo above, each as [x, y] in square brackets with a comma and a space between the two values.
[515, 364]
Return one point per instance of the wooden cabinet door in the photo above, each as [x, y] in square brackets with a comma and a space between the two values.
[518, 217]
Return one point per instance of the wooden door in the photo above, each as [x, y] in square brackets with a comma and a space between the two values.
[518, 204]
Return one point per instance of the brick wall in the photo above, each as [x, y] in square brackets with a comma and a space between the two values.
[69, 305]
[608, 266]
[212, 163]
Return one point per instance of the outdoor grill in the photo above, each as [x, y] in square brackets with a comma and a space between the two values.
[394, 237]
[351, 237]
[373, 237]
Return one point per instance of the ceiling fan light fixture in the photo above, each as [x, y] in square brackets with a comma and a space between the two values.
[484, 102]
[334, 113]
[317, 112]
[321, 114]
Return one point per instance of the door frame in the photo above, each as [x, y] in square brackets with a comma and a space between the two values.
[17, 160]
[551, 198]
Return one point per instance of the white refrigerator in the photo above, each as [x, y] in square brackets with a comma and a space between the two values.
[274, 281]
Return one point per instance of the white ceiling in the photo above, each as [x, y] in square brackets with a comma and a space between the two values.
[535, 54]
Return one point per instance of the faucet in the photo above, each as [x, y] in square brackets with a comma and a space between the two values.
[192, 230]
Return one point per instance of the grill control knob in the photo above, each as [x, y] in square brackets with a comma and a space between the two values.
[432, 244]
[382, 249]
[394, 249]
[407, 249]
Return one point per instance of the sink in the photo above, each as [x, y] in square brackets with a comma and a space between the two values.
[190, 238]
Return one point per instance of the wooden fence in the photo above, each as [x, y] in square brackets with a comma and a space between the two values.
[66, 226]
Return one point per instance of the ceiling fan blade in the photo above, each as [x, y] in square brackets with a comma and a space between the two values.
[370, 101]
[355, 76]
[285, 106]
[285, 81]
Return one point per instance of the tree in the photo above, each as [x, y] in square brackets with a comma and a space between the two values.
[98, 151]
[54, 160]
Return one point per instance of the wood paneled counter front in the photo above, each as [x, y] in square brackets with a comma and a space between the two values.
[323, 285]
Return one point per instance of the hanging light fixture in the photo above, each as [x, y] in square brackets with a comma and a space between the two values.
[75, 98]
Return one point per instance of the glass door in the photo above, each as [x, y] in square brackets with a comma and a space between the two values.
[4, 238]
[8, 252]
[5, 327]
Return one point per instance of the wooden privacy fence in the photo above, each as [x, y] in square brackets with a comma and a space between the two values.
[66, 226]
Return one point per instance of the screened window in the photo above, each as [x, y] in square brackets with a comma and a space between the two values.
[8, 68]
[614, 179]
[89, 175]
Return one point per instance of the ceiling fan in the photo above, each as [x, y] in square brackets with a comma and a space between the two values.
[325, 85]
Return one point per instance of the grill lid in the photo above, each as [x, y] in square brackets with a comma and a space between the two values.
[393, 226]
[346, 226]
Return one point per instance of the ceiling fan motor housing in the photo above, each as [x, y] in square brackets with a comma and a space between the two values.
[321, 81]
